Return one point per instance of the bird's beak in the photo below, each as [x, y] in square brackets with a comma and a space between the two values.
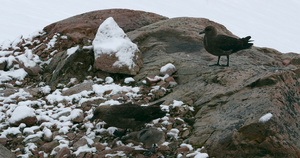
[202, 32]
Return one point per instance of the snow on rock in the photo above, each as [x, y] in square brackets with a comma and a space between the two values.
[10, 130]
[168, 69]
[45, 89]
[47, 134]
[84, 148]
[114, 51]
[23, 114]
[177, 103]
[72, 50]
[128, 80]
[174, 133]
[189, 146]
[114, 89]
[77, 115]
[13, 74]
[109, 80]
[266, 117]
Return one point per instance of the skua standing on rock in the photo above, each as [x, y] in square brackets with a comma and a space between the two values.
[223, 45]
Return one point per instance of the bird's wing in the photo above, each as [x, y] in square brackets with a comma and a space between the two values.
[225, 43]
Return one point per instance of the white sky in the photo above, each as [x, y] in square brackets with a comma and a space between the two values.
[271, 23]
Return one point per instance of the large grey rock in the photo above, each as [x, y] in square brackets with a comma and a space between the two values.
[63, 67]
[229, 100]
[5, 153]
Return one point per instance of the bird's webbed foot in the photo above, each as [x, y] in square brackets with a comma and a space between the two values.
[215, 65]
[151, 150]
[219, 65]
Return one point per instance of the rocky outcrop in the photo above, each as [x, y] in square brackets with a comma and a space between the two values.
[230, 100]
[83, 27]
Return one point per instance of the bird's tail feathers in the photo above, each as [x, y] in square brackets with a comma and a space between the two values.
[246, 42]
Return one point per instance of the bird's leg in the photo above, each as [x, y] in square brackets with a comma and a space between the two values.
[218, 63]
[227, 60]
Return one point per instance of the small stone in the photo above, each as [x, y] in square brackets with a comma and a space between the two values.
[3, 141]
[152, 80]
[48, 147]
[63, 153]
[171, 82]
[71, 136]
[79, 143]
[184, 150]
[29, 121]
[99, 146]
[185, 134]
[79, 118]
[168, 69]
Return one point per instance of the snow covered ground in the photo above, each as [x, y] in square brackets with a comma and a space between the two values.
[271, 23]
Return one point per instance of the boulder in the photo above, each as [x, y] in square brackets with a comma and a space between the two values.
[83, 27]
[5, 153]
[113, 50]
[23, 114]
[64, 66]
[228, 100]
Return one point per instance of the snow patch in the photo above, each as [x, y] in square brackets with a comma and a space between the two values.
[110, 39]
[20, 113]
[128, 80]
[72, 50]
[84, 148]
[265, 118]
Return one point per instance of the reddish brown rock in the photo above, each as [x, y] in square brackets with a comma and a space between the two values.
[3, 65]
[106, 63]
[99, 146]
[48, 147]
[63, 153]
[29, 121]
[79, 143]
[3, 141]
[84, 26]
[33, 71]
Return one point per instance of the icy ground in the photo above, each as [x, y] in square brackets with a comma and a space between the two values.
[271, 23]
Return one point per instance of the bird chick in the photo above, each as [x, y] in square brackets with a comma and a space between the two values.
[149, 137]
[223, 45]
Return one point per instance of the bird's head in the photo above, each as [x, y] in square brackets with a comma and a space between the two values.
[100, 112]
[209, 30]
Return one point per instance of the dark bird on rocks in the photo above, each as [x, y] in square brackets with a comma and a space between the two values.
[223, 45]
[149, 137]
[128, 115]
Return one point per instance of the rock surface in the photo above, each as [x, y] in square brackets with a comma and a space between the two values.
[5, 153]
[83, 27]
[228, 99]
[113, 50]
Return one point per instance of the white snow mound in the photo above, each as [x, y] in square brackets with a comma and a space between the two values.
[20, 113]
[110, 39]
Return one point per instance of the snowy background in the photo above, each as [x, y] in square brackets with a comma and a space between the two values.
[271, 23]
